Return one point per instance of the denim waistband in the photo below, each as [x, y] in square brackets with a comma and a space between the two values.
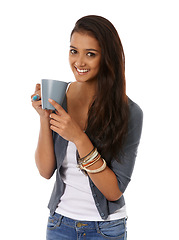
[77, 224]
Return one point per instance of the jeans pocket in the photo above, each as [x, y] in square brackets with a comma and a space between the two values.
[54, 221]
[115, 229]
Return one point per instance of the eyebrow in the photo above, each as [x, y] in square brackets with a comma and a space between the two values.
[89, 49]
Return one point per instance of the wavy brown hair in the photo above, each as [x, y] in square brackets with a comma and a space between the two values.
[109, 113]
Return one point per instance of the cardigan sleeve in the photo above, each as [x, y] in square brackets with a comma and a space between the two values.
[123, 169]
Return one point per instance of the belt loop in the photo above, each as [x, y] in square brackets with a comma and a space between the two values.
[61, 217]
[59, 220]
[97, 227]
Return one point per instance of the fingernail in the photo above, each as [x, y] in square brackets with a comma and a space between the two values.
[50, 100]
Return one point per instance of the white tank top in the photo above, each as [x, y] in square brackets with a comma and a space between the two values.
[77, 201]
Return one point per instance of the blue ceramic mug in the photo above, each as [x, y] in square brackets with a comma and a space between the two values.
[53, 89]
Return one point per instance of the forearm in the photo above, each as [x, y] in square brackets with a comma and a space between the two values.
[105, 180]
[44, 155]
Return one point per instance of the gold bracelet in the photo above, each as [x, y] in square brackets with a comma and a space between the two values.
[92, 162]
[100, 169]
[92, 158]
[87, 156]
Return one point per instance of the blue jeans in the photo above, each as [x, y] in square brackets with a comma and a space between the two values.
[63, 228]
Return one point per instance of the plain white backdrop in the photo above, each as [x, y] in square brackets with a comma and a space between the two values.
[34, 44]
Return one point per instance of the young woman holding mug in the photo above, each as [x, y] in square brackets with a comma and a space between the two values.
[91, 141]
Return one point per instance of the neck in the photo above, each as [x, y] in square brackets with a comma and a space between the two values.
[86, 91]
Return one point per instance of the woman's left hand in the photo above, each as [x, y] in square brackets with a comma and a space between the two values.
[63, 124]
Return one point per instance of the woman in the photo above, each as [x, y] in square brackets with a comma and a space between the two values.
[92, 141]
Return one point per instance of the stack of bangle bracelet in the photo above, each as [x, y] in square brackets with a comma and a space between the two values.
[89, 160]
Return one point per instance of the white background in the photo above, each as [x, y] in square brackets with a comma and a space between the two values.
[34, 44]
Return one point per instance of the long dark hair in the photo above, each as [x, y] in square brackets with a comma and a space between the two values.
[109, 113]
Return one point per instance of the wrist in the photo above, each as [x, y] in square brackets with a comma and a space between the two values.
[44, 121]
[83, 145]
[78, 141]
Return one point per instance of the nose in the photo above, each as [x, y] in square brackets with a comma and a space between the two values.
[80, 62]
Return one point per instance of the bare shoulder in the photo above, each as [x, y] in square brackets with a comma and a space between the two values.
[71, 92]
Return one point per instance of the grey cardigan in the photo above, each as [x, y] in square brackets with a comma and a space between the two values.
[123, 171]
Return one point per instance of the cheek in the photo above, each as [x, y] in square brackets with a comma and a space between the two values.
[97, 65]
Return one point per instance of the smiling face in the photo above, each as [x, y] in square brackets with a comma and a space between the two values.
[84, 57]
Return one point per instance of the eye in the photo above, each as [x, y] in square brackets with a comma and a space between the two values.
[91, 54]
[73, 51]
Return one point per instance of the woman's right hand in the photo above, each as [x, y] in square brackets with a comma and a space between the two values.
[38, 104]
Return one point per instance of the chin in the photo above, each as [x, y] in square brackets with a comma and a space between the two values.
[85, 80]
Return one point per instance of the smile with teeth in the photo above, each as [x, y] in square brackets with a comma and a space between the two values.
[82, 70]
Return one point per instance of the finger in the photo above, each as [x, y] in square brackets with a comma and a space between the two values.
[37, 87]
[36, 98]
[55, 129]
[38, 93]
[55, 123]
[54, 116]
[55, 119]
[37, 104]
[57, 106]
